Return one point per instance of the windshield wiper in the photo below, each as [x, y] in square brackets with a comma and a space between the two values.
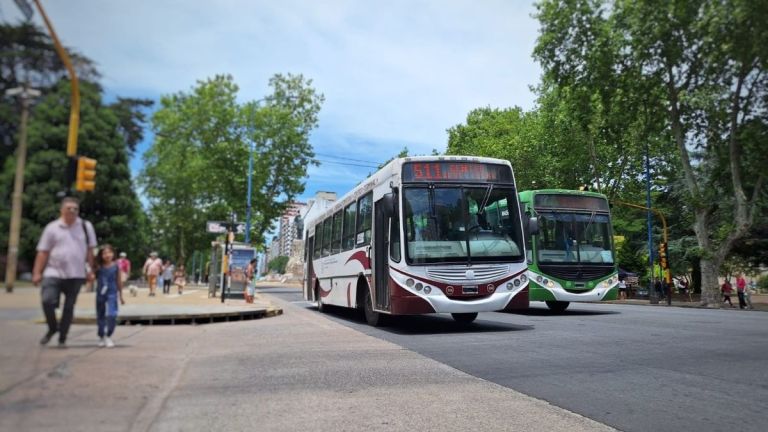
[487, 196]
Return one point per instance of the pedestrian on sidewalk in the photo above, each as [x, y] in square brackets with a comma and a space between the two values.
[64, 261]
[152, 268]
[168, 272]
[741, 286]
[180, 279]
[250, 281]
[109, 289]
[727, 290]
[124, 264]
[622, 289]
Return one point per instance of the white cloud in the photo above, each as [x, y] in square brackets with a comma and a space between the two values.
[394, 73]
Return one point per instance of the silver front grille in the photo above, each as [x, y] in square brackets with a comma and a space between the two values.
[459, 274]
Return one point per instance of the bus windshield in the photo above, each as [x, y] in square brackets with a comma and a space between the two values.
[573, 237]
[450, 224]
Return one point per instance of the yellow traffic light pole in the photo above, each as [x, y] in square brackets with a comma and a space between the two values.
[74, 111]
[667, 274]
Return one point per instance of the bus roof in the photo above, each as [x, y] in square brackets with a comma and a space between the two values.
[391, 171]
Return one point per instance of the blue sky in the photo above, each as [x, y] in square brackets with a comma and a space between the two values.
[394, 74]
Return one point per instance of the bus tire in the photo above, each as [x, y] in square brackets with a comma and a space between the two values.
[558, 306]
[373, 318]
[320, 306]
[464, 318]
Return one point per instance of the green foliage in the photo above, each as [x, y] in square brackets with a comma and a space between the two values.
[278, 264]
[197, 167]
[687, 78]
[113, 207]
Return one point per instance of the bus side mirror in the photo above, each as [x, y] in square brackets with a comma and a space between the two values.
[533, 226]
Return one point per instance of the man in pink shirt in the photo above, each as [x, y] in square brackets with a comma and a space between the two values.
[64, 249]
[152, 268]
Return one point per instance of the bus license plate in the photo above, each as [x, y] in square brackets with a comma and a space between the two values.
[469, 289]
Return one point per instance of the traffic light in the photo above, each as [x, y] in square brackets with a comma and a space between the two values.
[85, 179]
[663, 256]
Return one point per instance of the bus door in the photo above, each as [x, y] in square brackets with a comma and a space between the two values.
[309, 289]
[382, 210]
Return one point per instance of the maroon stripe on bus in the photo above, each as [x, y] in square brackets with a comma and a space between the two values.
[362, 258]
[405, 303]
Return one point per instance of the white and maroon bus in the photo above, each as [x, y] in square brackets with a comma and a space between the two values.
[431, 234]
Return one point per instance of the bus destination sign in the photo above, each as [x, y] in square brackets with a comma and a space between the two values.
[578, 202]
[449, 171]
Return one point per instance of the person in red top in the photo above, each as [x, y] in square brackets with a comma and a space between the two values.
[741, 286]
[727, 290]
[124, 264]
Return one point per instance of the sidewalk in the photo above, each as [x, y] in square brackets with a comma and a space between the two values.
[193, 306]
[759, 302]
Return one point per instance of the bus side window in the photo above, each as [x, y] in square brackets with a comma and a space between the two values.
[364, 216]
[394, 239]
[348, 241]
[327, 237]
[336, 235]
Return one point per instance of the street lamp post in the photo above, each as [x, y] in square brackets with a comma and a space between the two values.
[248, 199]
[26, 94]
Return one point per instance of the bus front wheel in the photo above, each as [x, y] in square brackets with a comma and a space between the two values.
[558, 306]
[464, 318]
[372, 317]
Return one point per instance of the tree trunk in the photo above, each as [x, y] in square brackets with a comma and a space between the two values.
[696, 276]
[710, 288]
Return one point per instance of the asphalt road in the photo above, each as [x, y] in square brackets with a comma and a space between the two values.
[636, 368]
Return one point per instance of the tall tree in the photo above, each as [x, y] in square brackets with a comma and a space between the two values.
[703, 63]
[197, 167]
[113, 206]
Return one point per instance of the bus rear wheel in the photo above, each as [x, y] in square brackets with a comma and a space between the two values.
[558, 306]
[372, 317]
[464, 318]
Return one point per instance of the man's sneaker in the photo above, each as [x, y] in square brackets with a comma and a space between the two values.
[46, 338]
[62, 344]
[102, 343]
[108, 342]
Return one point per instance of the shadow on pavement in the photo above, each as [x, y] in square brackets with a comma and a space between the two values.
[547, 312]
[425, 324]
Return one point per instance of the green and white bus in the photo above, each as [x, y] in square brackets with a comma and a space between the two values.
[571, 258]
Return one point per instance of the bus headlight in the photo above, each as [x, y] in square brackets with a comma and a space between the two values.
[539, 279]
[550, 284]
[419, 286]
[427, 289]
[409, 283]
[523, 278]
[516, 282]
[510, 287]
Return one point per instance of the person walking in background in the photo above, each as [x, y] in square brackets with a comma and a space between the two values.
[152, 268]
[180, 279]
[109, 289]
[168, 271]
[727, 290]
[622, 289]
[250, 287]
[741, 286]
[124, 264]
[64, 250]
